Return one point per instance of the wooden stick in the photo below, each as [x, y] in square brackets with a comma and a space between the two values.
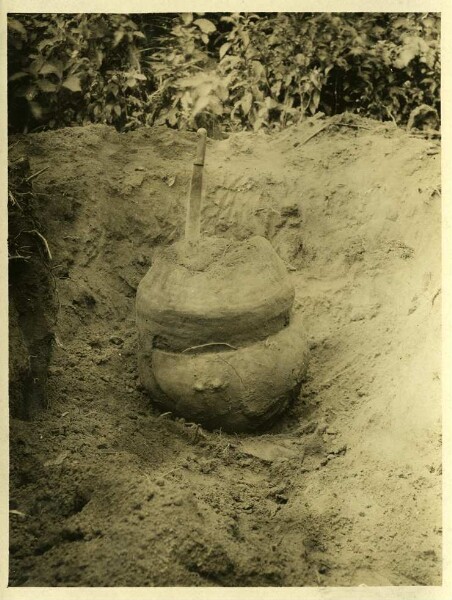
[44, 241]
[333, 121]
[36, 174]
[193, 220]
[353, 126]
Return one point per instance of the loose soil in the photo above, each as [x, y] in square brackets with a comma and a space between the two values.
[346, 487]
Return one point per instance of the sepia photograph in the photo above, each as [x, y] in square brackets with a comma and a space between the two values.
[225, 298]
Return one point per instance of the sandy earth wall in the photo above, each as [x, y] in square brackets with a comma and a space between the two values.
[346, 488]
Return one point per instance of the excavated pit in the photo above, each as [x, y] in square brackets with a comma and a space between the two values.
[106, 490]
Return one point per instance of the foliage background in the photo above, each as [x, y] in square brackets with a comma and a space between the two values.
[226, 71]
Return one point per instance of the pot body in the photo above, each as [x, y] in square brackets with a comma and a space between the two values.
[219, 343]
[235, 390]
[223, 292]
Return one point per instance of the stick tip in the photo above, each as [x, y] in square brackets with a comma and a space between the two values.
[202, 132]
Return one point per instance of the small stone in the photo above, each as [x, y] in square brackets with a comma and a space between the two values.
[357, 316]
[307, 428]
[54, 371]
[100, 360]
[95, 343]
[281, 499]
[290, 211]
[342, 449]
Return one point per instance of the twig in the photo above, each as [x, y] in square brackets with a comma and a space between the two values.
[59, 344]
[18, 257]
[37, 173]
[333, 121]
[172, 471]
[43, 240]
[324, 384]
[436, 295]
[207, 345]
[19, 513]
[13, 200]
[165, 414]
[391, 115]
[425, 134]
[353, 125]
[24, 193]
[306, 140]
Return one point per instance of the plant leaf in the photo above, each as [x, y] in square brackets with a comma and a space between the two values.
[246, 102]
[50, 67]
[200, 105]
[215, 105]
[314, 103]
[258, 123]
[18, 75]
[72, 83]
[117, 37]
[16, 25]
[46, 86]
[187, 18]
[224, 48]
[205, 25]
[270, 103]
[36, 109]
[258, 68]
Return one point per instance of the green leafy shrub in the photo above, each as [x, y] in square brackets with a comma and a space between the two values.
[186, 73]
[384, 65]
[73, 69]
[273, 69]
[237, 71]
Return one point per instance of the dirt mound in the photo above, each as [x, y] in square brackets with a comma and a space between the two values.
[346, 489]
